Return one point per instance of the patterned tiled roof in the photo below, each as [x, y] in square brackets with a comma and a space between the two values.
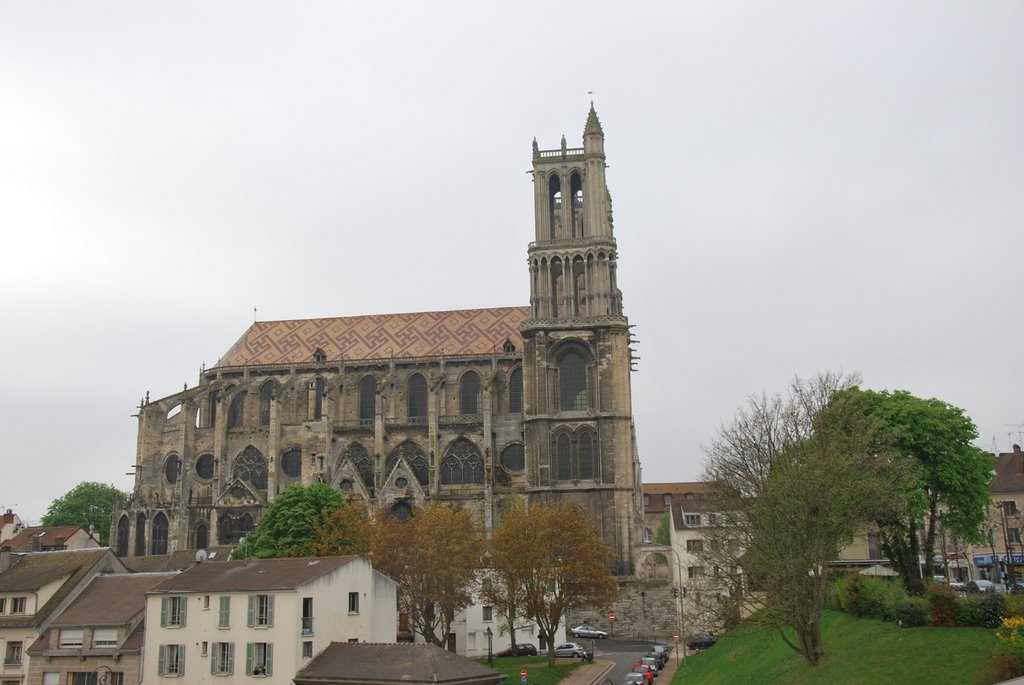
[378, 336]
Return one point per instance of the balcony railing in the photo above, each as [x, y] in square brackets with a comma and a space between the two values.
[461, 419]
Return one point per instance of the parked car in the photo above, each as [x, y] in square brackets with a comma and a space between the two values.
[573, 649]
[522, 649]
[660, 652]
[973, 587]
[634, 679]
[645, 671]
[653, 663]
[588, 631]
[701, 641]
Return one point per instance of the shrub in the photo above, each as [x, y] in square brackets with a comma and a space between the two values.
[941, 605]
[991, 610]
[966, 610]
[1009, 652]
[1015, 605]
[913, 612]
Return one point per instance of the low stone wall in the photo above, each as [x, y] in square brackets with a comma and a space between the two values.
[644, 610]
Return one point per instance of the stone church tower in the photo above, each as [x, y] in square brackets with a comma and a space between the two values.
[467, 407]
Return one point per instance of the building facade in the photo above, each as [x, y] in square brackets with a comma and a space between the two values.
[227, 622]
[396, 410]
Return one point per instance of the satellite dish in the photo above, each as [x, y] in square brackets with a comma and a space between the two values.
[201, 556]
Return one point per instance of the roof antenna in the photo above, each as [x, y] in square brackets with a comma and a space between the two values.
[254, 313]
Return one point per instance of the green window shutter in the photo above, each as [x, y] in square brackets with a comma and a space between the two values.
[251, 620]
[229, 666]
[163, 612]
[225, 613]
[161, 660]
[181, 659]
[214, 653]
[248, 658]
[270, 610]
[270, 658]
[184, 608]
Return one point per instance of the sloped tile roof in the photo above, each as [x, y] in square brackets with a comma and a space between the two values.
[178, 560]
[110, 600]
[33, 571]
[378, 336]
[393, 663]
[47, 536]
[252, 575]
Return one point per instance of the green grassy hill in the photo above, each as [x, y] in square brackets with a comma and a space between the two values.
[856, 651]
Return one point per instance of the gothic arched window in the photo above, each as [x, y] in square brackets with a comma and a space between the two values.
[172, 469]
[469, 393]
[251, 466]
[291, 463]
[555, 205]
[236, 410]
[318, 401]
[367, 399]
[572, 383]
[586, 457]
[122, 536]
[211, 413]
[401, 511]
[159, 543]
[564, 457]
[576, 190]
[414, 457]
[266, 398]
[356, 454]
[417, 396]
[462, 464]
[515, 391]
[140, 535]
[202, 536]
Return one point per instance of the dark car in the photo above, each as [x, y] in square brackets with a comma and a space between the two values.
[660, 653]
[701, 641]
[522, 649]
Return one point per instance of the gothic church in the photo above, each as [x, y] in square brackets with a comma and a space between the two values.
[396, 410]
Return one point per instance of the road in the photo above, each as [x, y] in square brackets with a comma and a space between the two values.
[624, 653]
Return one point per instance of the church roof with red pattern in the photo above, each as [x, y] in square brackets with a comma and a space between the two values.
[464, 332]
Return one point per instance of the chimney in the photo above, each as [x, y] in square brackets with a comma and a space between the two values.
[9, 514]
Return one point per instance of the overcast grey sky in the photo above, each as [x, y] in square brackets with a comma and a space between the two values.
[798, 187]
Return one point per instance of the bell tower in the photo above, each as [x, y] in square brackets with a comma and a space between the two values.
[578, 416]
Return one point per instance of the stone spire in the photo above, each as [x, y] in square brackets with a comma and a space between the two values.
[593, 124]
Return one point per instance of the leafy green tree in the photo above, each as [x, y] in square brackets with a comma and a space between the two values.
[792, 479]
[291, 526]
[953, 488]
[84, 505]
[662, 536]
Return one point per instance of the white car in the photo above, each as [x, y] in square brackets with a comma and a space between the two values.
[588, 631]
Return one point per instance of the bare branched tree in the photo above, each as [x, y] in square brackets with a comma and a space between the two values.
[793, 478]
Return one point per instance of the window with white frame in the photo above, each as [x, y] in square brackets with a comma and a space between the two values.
[353, 602]
[261, 611]
[92, 678]
[3, 604]
[222, 661]
[70, 639]
[695, 546]
[51, 678]
[307, 649]
[488, 613]
[259, 658]
[171, 660]
[104, 638]
[693, 572]
[172, 612]
[691, 520]
[12, 655]
[18, 605]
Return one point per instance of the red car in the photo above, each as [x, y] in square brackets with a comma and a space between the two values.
[522, 649]
[645, 671]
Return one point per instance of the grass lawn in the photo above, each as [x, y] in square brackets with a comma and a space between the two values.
[536, 667]
[857, 651]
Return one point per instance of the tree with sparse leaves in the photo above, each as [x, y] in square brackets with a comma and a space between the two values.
[503, 580]
[792, 479]
[86, 504]
[435, 558]
[563, 562]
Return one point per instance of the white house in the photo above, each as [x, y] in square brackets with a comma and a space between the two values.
[229, 622]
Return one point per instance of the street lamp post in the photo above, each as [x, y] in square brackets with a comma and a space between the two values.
[679, 598]
[490, 650]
